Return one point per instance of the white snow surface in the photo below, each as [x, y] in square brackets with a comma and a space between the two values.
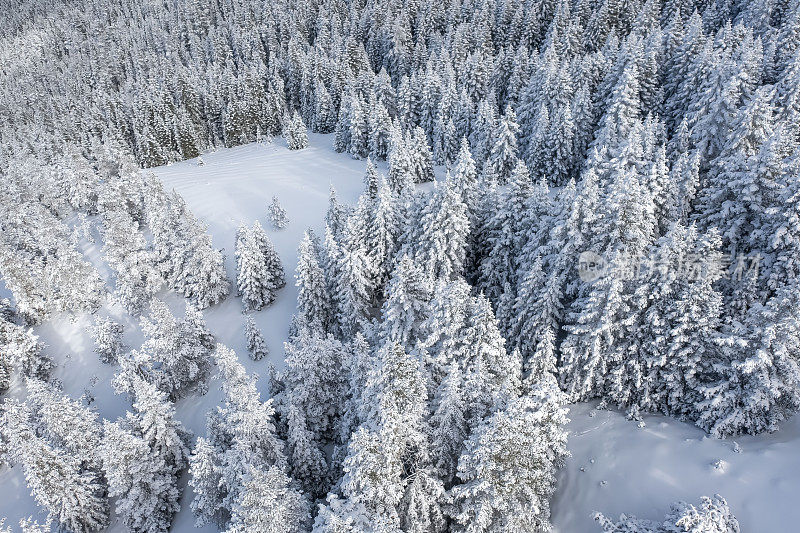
[616, 466]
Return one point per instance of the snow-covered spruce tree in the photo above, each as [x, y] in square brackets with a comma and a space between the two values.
[491, 374]
[401, 165]
[146, 489]
[482, 136]
[421, 156]
[374, 229]
[593, 344]
[143, 457]
[359, 129]
[680, 329]
[268, 503]
[127, 253]
[407, 296]
[74, 498]
[308, 462]
[253, 279]
[241, 436]
[261, 268]
[506, 231]
[107, 336]
[376, 484]
[314, 403]
[503, 155]
[713, 516]
[448, 423]
[508, 467]
[295, 132]
[208, 284]
[277, 214]
[313, 300]
[756, 381]
[256, 345]
[440, 332]
[380, 130]
[65, 423]
[439, 242]
[336, 216]
[22, 351]
[350, 291]
[176, 354]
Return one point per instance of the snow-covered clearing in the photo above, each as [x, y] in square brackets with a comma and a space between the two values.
[616, 466]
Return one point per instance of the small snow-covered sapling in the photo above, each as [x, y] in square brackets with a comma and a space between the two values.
[277, 214]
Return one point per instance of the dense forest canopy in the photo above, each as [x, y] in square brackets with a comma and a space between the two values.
[438, 334]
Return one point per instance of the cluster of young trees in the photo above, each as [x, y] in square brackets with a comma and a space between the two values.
[184, 254]
[239, 470]
[39, 259]
[73, 463]
[56, 441]
[713, 516]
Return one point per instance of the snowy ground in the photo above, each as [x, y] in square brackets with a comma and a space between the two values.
[616, 466]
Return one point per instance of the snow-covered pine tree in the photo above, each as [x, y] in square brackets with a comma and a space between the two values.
[757, 379]
[176, 354]
[336, 216]
[401, 166]
[306, 458]
[380, 130]
[593, 344]
[502, 158]
[482, 134]
[296, 132]
[420, 154]
[407, 296]
[256, 345]
[351, 285]
[73, 497]
[506, 231]
[56, 441]
[316, 382]
[491, 375]
[448, 424]
[439, 242]
[241, 435]
[276, 278]
[379, 236]
[681, 326]
[359, 130]
[277, 214]
[507, 471]
[145, 487]
[313, 300]
[125, 249]
[107, 335]
[269, 504]
[21, 350]
[252, 275]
